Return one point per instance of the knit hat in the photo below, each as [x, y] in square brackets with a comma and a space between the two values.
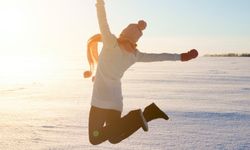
[133, 31]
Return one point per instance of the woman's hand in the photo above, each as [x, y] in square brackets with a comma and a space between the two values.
[189, 55]
[100, 1]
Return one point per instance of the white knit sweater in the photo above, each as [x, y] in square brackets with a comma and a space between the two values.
[113, 62]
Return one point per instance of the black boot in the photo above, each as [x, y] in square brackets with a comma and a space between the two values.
[153, 112]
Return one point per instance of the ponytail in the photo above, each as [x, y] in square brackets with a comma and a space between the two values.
[92, 54]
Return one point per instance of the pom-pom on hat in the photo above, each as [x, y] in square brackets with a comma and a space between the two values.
[142, 25]
[134, 31]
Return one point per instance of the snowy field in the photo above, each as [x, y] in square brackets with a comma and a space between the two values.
[208, 101]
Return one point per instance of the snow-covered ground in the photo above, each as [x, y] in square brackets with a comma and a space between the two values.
[207, 99]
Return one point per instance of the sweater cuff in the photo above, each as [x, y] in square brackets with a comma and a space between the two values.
[177, 57]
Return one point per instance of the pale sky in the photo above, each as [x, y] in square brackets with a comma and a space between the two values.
[39, 36]
[52, 26]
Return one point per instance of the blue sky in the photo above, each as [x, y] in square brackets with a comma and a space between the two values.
[63, 26]
[212, 26]
[193, 17]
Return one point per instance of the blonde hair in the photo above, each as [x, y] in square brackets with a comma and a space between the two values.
[92, 54]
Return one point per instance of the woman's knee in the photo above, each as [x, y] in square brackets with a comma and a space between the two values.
[114, 141]
[94, 141]
[95, 137]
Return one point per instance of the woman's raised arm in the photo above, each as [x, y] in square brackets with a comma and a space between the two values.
[102, 20]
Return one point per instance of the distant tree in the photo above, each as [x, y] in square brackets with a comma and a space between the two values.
[228, 55]
[245, 55]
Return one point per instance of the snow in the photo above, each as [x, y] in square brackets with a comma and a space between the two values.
[207, 101]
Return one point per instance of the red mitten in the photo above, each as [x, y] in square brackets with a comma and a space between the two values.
[189, 55]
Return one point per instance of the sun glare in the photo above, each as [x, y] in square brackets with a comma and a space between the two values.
[22, 69]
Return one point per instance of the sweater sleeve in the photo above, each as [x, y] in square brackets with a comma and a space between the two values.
[152, 57]
[107, 37]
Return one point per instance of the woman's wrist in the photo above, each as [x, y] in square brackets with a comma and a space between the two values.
[100, 1]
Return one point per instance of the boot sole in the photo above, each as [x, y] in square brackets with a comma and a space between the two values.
[144, 122]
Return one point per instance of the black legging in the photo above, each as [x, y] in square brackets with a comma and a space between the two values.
[106, 124]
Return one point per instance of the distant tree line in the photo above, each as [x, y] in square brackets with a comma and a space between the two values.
[229, 55]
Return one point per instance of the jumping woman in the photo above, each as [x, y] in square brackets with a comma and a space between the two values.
[117, 55]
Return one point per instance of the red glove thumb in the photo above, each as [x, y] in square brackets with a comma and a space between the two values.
[189, 55]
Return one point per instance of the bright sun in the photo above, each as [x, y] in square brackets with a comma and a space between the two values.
[15, 65]
[23, 69]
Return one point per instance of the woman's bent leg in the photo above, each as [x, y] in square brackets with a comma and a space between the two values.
[126, 126]
[116, 128]
[97, 118]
